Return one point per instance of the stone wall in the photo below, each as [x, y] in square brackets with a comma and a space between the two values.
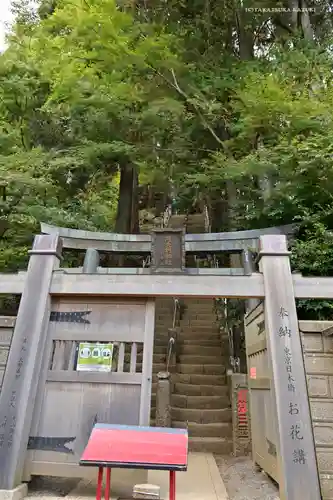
[318, 360]
[6, 331]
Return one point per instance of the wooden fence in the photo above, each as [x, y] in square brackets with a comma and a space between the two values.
[69, 402]
[264, 429]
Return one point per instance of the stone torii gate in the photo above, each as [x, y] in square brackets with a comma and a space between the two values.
[166, 277]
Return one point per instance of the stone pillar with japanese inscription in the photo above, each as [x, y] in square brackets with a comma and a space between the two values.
[298, 473]
[241, 435]
[25, 360]
[168, 251]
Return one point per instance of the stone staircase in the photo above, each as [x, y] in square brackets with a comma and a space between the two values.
[200, 398]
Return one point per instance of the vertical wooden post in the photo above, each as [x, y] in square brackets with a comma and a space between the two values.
[249, 268]
[147, 363]
[298, 471]
[25, 359]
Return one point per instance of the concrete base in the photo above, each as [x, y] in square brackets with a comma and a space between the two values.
[17, 493]
[146, 492]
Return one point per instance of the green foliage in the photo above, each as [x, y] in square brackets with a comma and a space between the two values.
[234, 106]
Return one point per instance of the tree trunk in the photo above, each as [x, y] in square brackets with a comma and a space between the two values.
[135, 228]
[305, 21]
[300, 18]
[127, 212]
[245, 35]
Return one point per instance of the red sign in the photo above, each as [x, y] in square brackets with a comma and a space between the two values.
[242, 402]
[136, 447]
[253, 372]
[242, 413]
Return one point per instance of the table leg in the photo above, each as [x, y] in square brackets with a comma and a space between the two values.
[172, 485]
[99, 484]
[107, 483]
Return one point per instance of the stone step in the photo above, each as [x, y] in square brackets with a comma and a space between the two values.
[160, 349]
[199, 330]
[212, 328]
[161, 343]
[157, 367]
[201, 390]
[198, 318]
[195, 216]
[161, 337]
[157, 358]
[204, 327]
[218, 445]
[195, 313]
[198, 350]
[196, 336]
[198, 379]
[191, 320]
[197, 310]
[194, 402]
[200, 359]
[200, 402]
[216, 369]
[201, 416]
[200, 341]
[223, 429]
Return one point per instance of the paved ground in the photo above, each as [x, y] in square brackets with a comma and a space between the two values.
[240, 481]
[202, 481]
[243, 481]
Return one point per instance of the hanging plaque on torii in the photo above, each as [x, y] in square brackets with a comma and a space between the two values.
[168, 251]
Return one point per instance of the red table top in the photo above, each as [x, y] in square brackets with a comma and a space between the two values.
[136, 447]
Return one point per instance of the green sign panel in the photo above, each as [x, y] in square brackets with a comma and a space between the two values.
[94, 357]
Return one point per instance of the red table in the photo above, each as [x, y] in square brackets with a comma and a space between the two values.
[133, 447]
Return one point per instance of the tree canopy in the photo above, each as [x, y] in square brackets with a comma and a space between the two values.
[230, 102]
